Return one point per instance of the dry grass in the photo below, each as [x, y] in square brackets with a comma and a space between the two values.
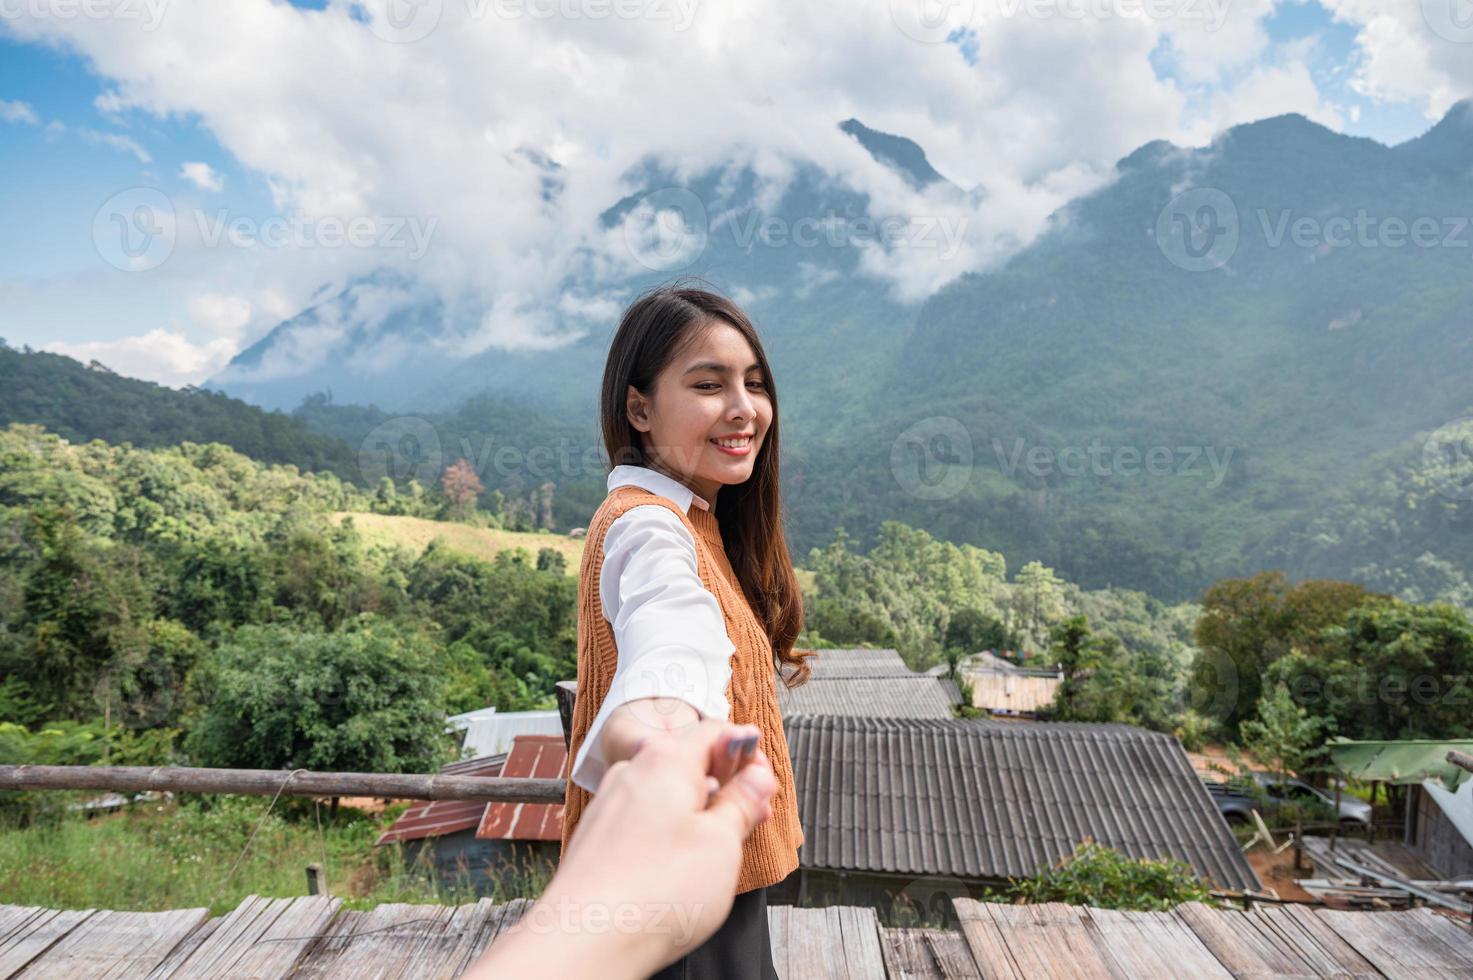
[416, 533]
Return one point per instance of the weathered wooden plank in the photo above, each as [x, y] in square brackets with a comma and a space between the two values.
[1049, 940]
[1318, 943]
[383, 942]
[502, 918]
[450, 955]
[1241, 947]
[927, 954]
[1437, 929]
[35, 934]
[814, 945]
[777, 933]
[116, 944]
[858, 930]
[1153, 945]
[286, 937]
[185, 948]
[985, 941]
[1378, 937]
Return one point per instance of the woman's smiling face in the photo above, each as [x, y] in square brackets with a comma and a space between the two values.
[712, 392]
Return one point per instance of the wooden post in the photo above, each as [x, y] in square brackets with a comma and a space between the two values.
[1335, 833]
[316, 879]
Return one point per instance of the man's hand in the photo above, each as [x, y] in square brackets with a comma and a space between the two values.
[653, 867]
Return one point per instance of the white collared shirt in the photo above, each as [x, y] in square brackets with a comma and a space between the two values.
[668, 627]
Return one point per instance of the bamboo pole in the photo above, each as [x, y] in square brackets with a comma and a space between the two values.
[267, 782]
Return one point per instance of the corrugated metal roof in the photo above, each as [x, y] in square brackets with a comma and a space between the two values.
[978, 799]
[433, 818]
[493, 734]
[858, 663]
[909, 696]
[532, 757]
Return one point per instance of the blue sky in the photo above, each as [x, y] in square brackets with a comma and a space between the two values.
[87, 122]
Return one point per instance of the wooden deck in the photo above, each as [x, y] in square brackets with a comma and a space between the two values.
[314, 937]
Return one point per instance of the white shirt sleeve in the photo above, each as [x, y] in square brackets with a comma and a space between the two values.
[668, 627]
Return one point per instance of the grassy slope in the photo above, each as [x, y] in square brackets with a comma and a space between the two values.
[416, 533]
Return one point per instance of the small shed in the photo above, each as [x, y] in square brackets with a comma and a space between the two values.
[483, 846]
[1438, 820]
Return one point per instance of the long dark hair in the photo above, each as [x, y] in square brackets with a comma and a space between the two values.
[652, 331]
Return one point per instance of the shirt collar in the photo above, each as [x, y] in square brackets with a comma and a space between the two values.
[656, 482]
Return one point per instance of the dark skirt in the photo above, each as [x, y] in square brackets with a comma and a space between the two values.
[740, 949]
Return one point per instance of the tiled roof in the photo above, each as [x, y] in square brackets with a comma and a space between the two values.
[532, 757]
[978, 799]
[432, 818]
[908, 696]
[858, 663]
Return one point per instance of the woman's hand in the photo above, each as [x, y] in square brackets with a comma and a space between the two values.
[643, 720]
[652, 870]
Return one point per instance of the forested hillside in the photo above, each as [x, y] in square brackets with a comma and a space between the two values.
[82, 402]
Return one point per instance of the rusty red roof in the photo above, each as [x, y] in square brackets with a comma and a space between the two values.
[432, 818]
[531, 757]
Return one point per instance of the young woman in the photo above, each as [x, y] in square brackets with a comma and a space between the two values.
[687, 601]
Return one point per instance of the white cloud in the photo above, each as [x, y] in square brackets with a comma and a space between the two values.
[223, 316]
[202, 175]
[1420, 52]
[437, 129]
[17, 112]
[167, 357]
[117, 141]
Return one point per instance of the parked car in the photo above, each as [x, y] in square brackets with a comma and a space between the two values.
[1235, 799]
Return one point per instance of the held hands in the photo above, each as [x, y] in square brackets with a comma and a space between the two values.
[652, 868]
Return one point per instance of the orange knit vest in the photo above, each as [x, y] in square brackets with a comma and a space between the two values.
[770, 853]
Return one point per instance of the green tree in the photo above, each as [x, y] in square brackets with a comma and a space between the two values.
[1283, 735]
[367, 698]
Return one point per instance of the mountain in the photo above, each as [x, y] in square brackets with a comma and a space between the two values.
[85, 402]
[1229, 358]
